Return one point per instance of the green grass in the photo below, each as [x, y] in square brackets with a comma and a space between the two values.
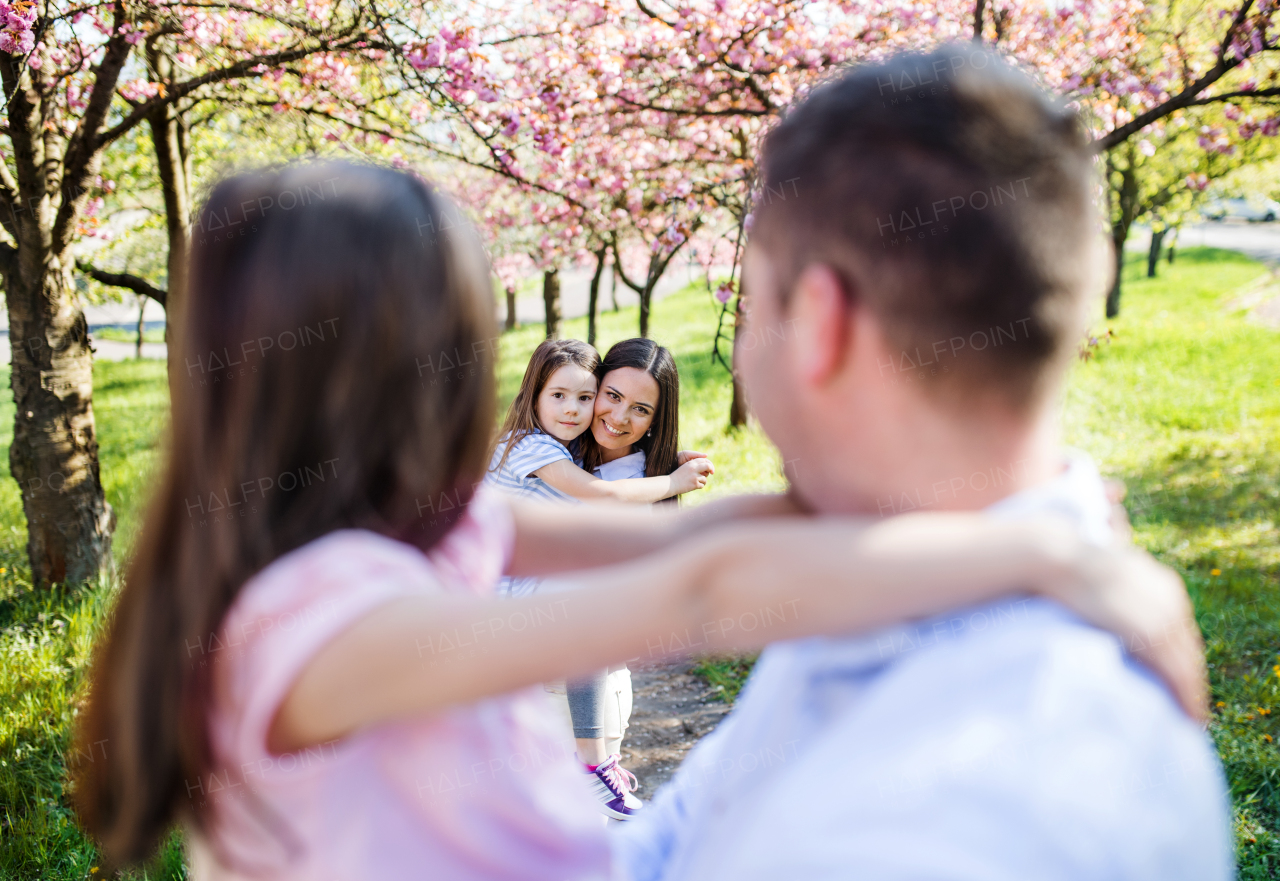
[725, 675]
[46, 637]
[128, 335]
[1183, 405]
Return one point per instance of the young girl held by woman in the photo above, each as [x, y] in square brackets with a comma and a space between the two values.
[621, 417]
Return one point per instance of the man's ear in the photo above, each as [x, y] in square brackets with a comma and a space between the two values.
[819, 317]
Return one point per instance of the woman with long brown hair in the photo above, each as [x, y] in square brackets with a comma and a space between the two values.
[635, 430]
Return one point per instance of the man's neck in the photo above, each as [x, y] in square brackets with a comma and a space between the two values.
[933, 462]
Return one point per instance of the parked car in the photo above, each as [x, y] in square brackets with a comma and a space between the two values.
[1246, 209]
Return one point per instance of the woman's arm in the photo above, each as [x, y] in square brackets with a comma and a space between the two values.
[571, 480]
[818, 577]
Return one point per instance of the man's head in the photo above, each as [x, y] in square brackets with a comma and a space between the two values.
[924, 247]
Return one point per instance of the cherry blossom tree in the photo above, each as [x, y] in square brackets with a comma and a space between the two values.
[73, 86]
[636, 122]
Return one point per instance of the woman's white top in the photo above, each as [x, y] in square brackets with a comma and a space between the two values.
[631, 465]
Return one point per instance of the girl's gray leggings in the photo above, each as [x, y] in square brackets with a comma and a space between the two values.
[586, 704]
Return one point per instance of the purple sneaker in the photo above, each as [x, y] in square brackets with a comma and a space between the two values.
[612, 786]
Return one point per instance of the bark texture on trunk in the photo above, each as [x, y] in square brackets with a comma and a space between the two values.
[551, 302]
[54, 455]
[510, 322]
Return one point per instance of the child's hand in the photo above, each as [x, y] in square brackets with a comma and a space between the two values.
[692, 475]
[1145, 604]
[687, 455]
[1120, 524]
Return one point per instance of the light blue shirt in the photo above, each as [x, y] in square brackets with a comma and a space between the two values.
[1002, 742]
[516, 477]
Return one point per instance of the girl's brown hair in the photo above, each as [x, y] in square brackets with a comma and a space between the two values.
[522, 416]
[661, 444]
[308, 397]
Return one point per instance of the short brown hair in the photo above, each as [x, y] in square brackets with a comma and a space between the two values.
[960, 196]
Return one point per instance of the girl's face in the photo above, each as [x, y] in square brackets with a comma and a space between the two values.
[624, 408]
[564, 404]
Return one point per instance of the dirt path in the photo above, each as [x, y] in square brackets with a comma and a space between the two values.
[672, 710]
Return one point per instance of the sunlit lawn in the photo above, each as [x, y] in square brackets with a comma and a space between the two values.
[1184, 405]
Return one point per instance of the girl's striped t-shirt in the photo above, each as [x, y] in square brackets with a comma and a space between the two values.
[531, 452]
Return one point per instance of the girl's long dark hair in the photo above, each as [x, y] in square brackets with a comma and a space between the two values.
[319, 386]
[522, 415]
[662, 445]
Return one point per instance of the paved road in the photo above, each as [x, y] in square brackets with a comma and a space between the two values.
[575, 286]
[1261, 241]
[1258, 240]
[575, 291]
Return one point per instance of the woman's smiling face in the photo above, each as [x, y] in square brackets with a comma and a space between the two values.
[625, 406]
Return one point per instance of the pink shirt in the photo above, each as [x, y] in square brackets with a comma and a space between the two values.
[486, 790]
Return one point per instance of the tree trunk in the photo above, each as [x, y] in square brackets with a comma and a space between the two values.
[142, 312]
[613, 287]
[1118, 237]
[978, 9]
[1153, 255]
[1173, 245]
[169, 140]
[594, 297]
[739, 415]
[54, 456]
[551, 301]
[646, 300]
[510, 323]
[1122, 216]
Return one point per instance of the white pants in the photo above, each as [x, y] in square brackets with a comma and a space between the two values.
[617, 707]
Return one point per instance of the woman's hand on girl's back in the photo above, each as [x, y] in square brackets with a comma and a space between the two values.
[692, 475]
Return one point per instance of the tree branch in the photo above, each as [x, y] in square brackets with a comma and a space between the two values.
[1227, 96]
[1176, 102]
[1186, 96]
[622, 274]
[137, 284]
[239, 70]
[81, 149]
